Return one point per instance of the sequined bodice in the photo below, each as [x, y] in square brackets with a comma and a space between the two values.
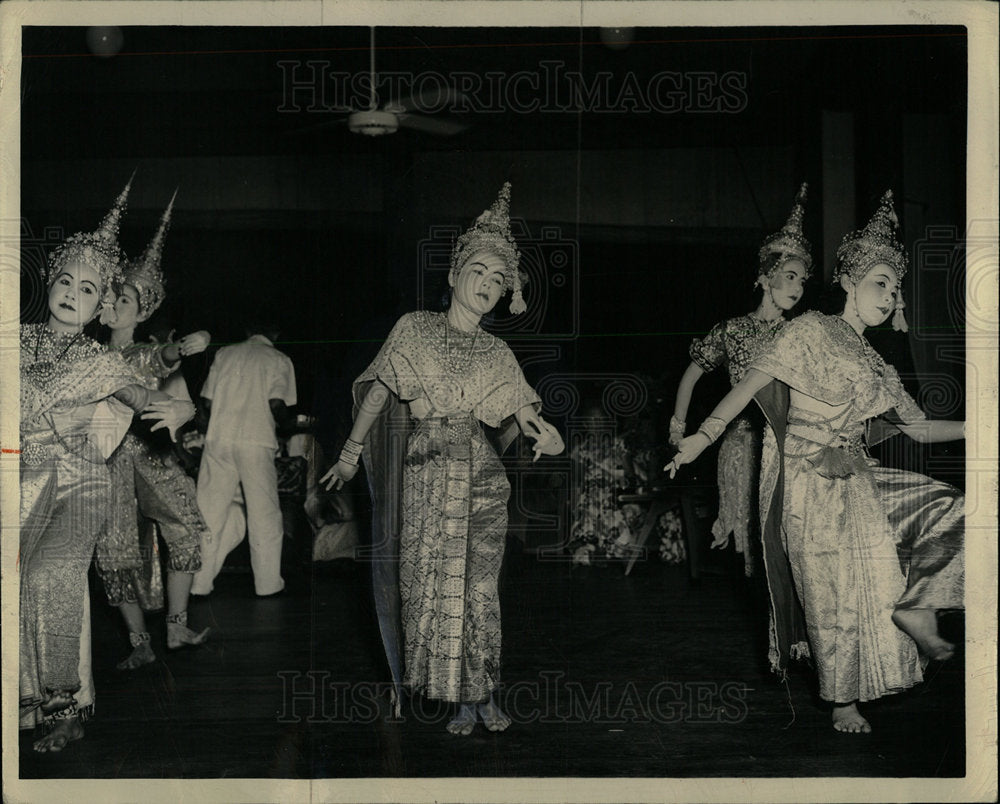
[62, 373]
[823, 358]
[50, 363]
[735, 343]
[441, 370]
[145, 359]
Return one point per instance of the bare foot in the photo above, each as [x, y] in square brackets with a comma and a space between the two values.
[64, 732]
[848, 719]
[921, 625]
[464, 722]
[141, 655]
[493, 716]
[180, 635]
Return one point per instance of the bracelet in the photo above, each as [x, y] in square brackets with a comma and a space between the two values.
[712, 428]
[351, 452]
[677, 426]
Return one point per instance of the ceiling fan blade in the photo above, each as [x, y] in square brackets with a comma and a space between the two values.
[432, 125]
[430, 100]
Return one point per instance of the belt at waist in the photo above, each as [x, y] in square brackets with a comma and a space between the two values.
[456, 422]
[836, 455]
[851, 441]
[449, 436]
[37, 446]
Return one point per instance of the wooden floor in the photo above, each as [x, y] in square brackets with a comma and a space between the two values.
[605, 675]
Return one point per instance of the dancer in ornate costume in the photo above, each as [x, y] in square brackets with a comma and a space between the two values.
[438, 485]
[873, 552]
[147, 480]
[76, 401]
[784, 264]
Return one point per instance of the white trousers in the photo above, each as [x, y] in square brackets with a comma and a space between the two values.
[224, 470]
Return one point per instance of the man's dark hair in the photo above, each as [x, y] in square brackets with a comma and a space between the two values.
[264, 323]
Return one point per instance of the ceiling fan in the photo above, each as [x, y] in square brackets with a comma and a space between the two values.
[396, 114]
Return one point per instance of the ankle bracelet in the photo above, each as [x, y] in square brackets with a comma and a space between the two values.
[63, 714]
[137, 638]
[181, 618]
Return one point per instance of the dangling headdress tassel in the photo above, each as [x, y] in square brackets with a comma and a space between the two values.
[491, 232]
[145, 273]
[788, 243]
[899, 317]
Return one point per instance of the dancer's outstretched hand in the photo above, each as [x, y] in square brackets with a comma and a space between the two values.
[194, 343]
[719, 543]
[170, 414]
[339, 474]
[547, 439]
[687, 451]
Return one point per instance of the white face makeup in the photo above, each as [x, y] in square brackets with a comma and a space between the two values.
[74, 297]
[127, 314]
[787, 284]
[480, 282]
[874, 296]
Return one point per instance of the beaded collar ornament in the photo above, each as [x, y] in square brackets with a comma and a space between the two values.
[491, 232]
[876, 244]
[50, 348]
[98, 249]
[789, 243]
[145, 274]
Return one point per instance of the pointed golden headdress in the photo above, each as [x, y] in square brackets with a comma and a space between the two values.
[788, 243]
[145, 273]
[491, 232]
[98, 249]
[876, 243]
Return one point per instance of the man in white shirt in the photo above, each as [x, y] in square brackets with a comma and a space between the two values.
[248, 391]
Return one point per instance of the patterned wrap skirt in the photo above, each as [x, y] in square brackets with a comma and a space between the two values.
[454, 525]
[65, 491]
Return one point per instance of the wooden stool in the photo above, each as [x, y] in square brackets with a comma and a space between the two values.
[660, 500]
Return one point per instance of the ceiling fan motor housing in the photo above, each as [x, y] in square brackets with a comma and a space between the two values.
[373, 123]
